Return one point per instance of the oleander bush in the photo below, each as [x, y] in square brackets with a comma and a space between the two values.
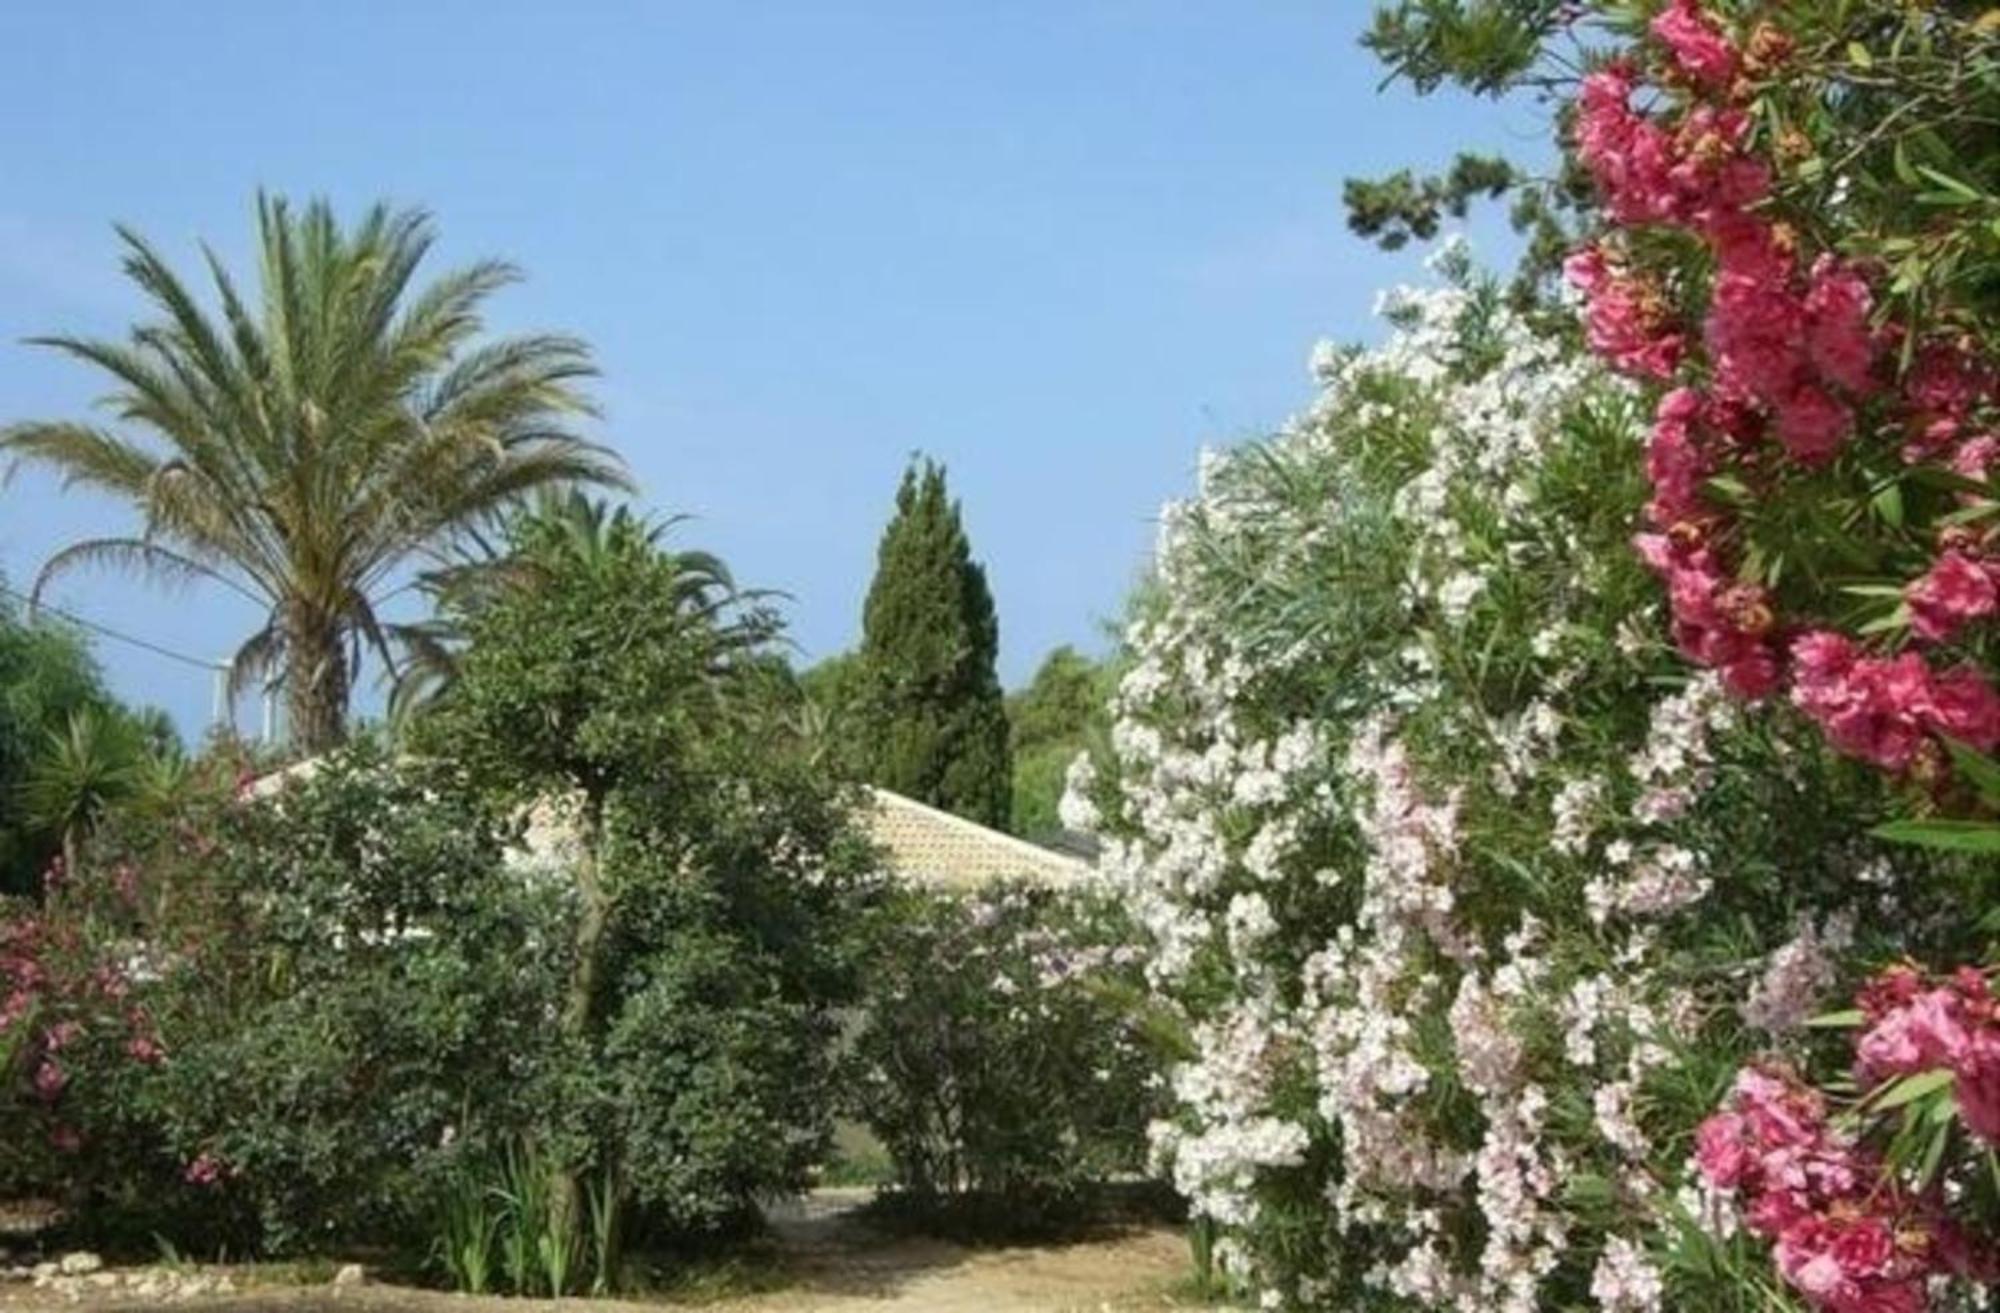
[1471, 898]
[1785, 222]
[1001, 1059]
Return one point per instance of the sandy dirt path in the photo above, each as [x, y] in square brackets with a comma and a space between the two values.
[833, 1262]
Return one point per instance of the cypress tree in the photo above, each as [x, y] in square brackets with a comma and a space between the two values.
[933, 722]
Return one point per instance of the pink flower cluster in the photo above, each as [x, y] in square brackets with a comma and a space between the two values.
[1792, 353]
[55, 986]
[1953, 1024]
[1627, 321]
[1717, 621]
[1845, 1235]
[1885, 710]
[1958, 589]
[1699, 48]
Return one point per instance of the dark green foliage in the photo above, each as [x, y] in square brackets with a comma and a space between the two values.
[365, 1006]
[592, 933]
[998, 1062]
[53, 700]
[1058, 716]
[932, 722]
[1393, 210]
[1485, 46]
[45, 674]
[830, 694]
[341, 981]
[712, 868]
[618, 660]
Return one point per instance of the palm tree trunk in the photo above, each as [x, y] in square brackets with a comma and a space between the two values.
[316, 685]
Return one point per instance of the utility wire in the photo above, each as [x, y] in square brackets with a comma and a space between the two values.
[95, 628]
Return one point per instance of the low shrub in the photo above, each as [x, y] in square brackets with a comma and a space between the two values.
[998, 1058]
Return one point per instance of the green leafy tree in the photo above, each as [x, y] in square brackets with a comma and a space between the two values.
[1058, 715]
[308, 445]
[50, 690]
[632, 694]
[830, 700]
[932, 721]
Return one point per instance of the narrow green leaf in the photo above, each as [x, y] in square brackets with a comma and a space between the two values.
[1911, 1088]
[1889, 505]
[1837, 1020]
[1951, 836]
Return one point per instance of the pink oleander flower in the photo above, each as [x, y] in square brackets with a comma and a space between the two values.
[1838, 337]
[1697, 43]
[1974, 456]
[1951, 1026]
[1954, 592]
[1747, 246]
[1851, 1267]
[1927, 1032]
[1675, 465]
[1812, 425]
[1721, 1150]
[1628, 155]
[1948, 381]
[1755, 334]
[146, 1050]
[205, 1170]
[1717, 622]
[1965, 706]
[1626, 318]
[1845, 1235]
[1884, 709]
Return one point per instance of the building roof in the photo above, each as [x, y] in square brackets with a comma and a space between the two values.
[923, 845]
[931, 847]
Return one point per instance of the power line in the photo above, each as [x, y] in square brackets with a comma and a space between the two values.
[113, 634]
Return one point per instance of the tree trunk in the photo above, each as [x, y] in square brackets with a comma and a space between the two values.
[316, 685]
[580, 1008]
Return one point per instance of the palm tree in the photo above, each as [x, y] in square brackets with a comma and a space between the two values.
[306, 451]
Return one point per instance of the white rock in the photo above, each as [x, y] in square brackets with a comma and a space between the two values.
[43, 1273]
[350, 1274]
[80, 1263]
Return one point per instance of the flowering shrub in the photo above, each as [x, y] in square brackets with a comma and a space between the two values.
[284, 1034]
[1800, 238]
[997, 1059]
[1882, 1207]
[1470, 900]
[77, 1027]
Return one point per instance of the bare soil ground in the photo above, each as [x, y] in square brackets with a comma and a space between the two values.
[827, 1259]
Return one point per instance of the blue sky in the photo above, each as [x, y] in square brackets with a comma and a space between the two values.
[1058, 244]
